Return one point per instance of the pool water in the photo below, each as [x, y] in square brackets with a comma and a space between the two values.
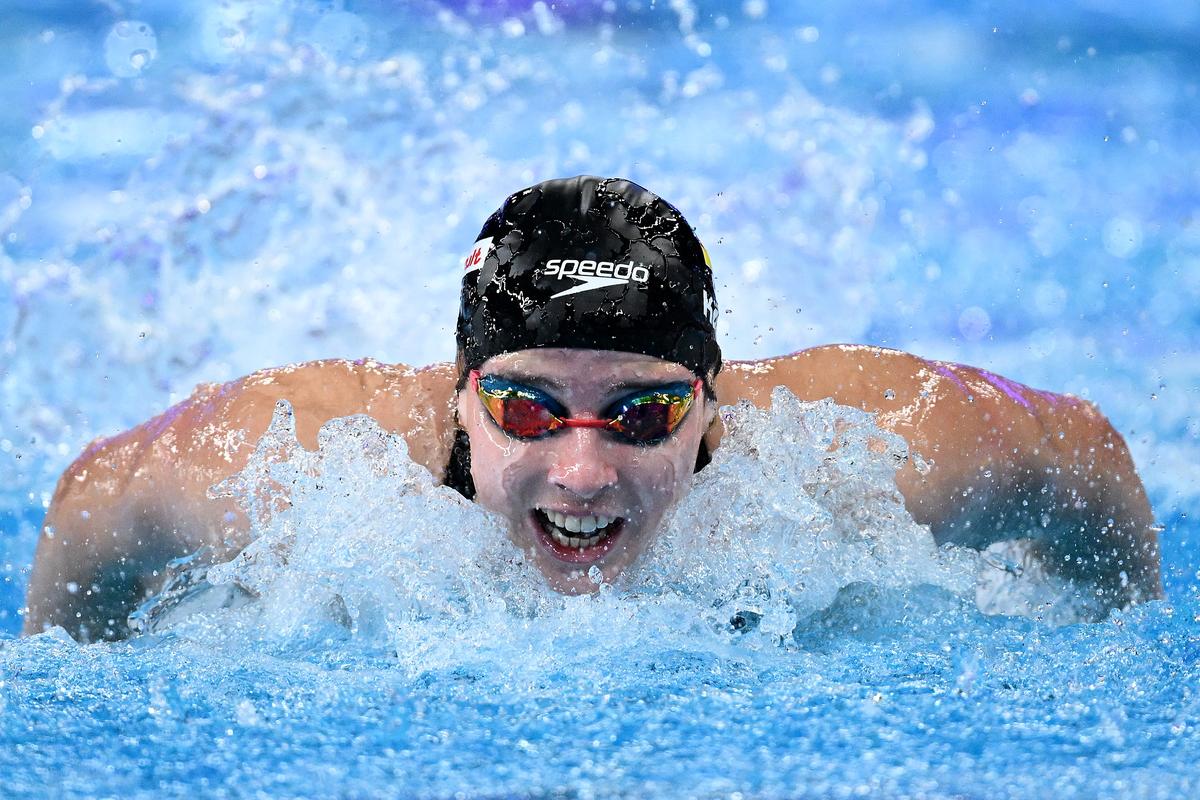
[190, 191]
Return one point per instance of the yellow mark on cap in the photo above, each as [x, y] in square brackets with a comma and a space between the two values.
[707, 260]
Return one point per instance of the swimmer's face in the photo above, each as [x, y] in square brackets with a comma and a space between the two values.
[579, 478]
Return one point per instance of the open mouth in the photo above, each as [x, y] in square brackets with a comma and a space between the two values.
[577, 540]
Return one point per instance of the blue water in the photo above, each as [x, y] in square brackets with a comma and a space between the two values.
[190, 191]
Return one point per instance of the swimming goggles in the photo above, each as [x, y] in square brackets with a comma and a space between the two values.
[647, 416]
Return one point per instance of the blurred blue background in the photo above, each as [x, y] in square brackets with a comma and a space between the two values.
[193, 190]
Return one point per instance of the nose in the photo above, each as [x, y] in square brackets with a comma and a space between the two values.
[582, 462]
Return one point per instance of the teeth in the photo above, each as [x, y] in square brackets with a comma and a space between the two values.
[578, 524]
[564, 525]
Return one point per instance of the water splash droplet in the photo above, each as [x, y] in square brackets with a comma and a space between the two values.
[129, 48]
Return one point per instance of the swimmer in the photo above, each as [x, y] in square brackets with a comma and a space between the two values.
[584, 395]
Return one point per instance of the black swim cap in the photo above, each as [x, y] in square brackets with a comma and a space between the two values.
[587, 262]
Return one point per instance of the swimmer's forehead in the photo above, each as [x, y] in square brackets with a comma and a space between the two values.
[578, 370]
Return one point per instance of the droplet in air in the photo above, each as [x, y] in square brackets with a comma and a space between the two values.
[889, 394]
[129, 48]
[974, 323]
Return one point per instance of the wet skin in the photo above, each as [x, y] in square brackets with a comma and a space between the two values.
[581, 471]
[1003, 459]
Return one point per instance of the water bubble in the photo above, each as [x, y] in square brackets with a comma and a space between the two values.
[974, 323]
[1049, 298]
[920, 125]
[752, 270]
[341, 35]
[755, 9]
[889, 394]
[129, 48]
[1122, 237]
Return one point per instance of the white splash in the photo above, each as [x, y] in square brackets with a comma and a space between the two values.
[358, 536]
[355, 539]
[799, 502]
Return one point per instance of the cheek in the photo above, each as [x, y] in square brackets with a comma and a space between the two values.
[669, 474]
[658, 476]
[499, 466]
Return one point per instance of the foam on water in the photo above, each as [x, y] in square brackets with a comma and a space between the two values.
[792, 633]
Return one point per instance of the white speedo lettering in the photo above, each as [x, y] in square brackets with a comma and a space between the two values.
[595, 274]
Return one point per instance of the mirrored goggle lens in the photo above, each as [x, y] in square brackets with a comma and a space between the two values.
[519, 416]
[652, 417]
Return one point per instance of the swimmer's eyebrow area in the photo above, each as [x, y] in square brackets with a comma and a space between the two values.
[529, 379]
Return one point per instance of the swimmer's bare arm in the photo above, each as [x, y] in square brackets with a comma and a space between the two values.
[131, 503]
[1004, 461]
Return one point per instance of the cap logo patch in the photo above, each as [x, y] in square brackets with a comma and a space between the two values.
[477, 255]
[595, 274]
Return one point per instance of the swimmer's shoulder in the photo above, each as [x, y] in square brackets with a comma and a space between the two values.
[943, 409]
[414, 402]
[210, 434]
[842, 372]
[951, 411]
[887, 381]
